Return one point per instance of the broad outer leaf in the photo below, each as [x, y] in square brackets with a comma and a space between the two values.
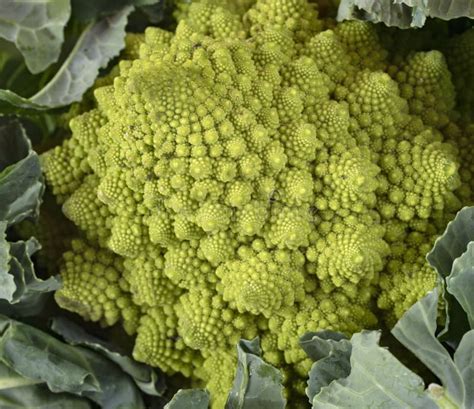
[98, 44]
[144, 376]
[257, 385]
[21, 183]
[377, 380]
[331, 352]
[36, 28]
[416, 331]
[189, 399]
[404, 13]
[447, 248]
[464, 360]
[65, 368]
[18, 392]
[460, 282]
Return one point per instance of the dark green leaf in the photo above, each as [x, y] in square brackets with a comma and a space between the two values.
[21, 184]
[331, 352]
[416, 331]
[17, 392]
[377, 380]
[189, 399]
[65, 368]
[36, 28]
[145, 377]
[257, 385]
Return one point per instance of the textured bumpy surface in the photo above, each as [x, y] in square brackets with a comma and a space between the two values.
[258, 172]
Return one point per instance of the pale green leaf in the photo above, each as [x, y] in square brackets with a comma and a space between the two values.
[36, 28]
[98, 44]
[464, 360]
[189, 399]
[377, 380]
[331, 354]
[416, 331]
[460, 283]
[7, 282]
[257, 385]
[404, 13]
[147, 379]
[447, 248]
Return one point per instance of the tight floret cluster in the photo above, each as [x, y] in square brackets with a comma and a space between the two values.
[257, 173]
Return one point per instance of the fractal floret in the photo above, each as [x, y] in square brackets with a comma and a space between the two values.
[258, 172]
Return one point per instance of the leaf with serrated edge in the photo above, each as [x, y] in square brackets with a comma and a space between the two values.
[36, 28]
[416, 331]
[368, 384]
[257, 385]
[189, 399]
[99, 42]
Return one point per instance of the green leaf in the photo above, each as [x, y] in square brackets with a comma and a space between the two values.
[21, 183]
[460, 283]
[189, 399]
[447, 248]
[416, 331]
[101, 8]
[404, 13]
[331, 352]
[36, 28]
[145, 377]
[7, 282]
[257, 385]
[65, 368]
[18, 392]
[97, 45]
[31, 292]
[464, 361]
[368, 384]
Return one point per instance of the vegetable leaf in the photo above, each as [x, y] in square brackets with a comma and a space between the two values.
[101, 8]
[17, 392]
[146, 378]
[447, 248]
[21, 184]
[404, 13]
[189, 399]
[331, 352]
[97, 45]
[257, 385]
[36, 28]
[368, 384]
[65, 368]
[416, 331]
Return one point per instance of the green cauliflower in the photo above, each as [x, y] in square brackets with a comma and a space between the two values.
[257, 173]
